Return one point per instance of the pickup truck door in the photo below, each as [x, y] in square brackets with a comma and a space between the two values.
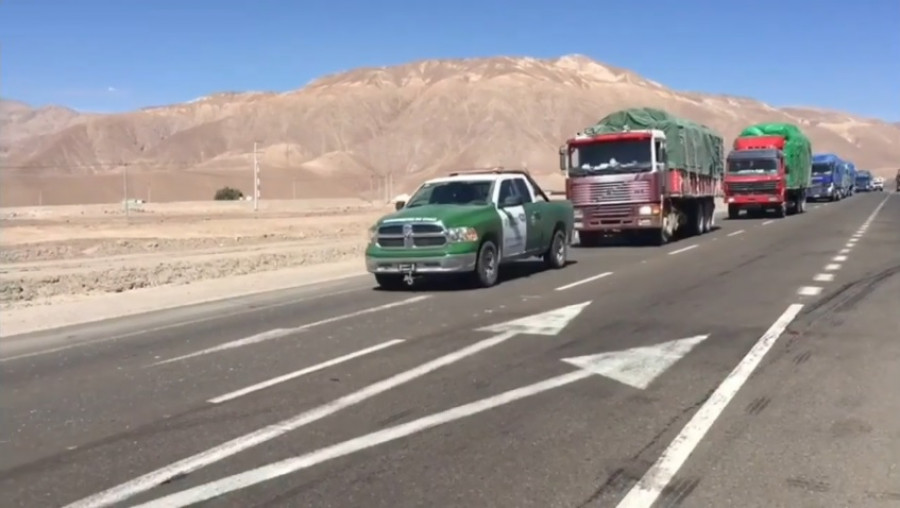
[537, 235]
[511, 207]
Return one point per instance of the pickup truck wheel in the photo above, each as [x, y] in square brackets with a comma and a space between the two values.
[389, 281]
[487, 266]
[557, 253]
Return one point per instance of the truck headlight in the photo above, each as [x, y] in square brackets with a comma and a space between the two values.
[459, 235]
[373, 234]
[645, 210]
[830, 187]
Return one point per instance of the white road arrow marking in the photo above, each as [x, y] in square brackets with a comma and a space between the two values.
[671, 351]
[546, 323]
[639, 366]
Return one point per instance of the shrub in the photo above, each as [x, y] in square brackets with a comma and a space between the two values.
[228, 194]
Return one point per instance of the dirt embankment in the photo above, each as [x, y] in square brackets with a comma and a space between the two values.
[50, 254]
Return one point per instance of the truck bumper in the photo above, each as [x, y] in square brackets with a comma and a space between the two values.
[616, 218]
[453, 263]
[754, 201]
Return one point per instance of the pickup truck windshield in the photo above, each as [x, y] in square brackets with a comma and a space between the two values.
[752, 166]
[457, 192]
[622, 156]
[821, 169]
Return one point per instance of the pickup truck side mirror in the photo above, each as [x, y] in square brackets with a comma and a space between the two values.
[399, 204]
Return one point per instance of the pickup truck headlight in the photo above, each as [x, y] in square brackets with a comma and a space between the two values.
[373, 234]
[459, 235]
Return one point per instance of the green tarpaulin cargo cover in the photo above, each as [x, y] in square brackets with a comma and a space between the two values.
[797, 150]
[689, 145]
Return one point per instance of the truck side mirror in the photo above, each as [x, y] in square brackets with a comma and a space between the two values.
[563, 159]
[399, 204]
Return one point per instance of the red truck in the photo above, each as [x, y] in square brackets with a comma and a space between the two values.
[769, 169]
[644, 173]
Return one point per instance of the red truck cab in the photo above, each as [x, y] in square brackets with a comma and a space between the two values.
[755, 175]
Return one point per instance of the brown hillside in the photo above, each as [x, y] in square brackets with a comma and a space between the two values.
[342, 134]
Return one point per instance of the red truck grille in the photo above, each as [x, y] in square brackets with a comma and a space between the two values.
[738, 188]
[608, 212]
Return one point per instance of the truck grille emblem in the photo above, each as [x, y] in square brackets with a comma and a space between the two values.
[407, 235]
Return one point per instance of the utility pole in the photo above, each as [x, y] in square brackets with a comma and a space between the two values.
[255, 177]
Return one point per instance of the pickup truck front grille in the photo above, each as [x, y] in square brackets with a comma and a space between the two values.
[736, 188]
[418, 236]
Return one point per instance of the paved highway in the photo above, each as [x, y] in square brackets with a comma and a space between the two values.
[757, 365]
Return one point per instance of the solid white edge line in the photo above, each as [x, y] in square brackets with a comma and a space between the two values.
[236, 445]
[584, 281]
[283, 467]
[658, 477]
[284, 332]
[302, 372]
[684, 249]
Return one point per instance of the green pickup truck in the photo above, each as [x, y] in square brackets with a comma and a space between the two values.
[469, 223]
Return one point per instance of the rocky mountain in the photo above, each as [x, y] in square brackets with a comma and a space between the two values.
[343, 134]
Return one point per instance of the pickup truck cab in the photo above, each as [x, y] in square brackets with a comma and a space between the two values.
[878, 184]
[469, 223]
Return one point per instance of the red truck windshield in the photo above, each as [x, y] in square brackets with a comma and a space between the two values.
[752, 166]
[620, 156]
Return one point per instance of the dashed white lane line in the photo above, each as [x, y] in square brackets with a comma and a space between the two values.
[735, 233]
[684, 249]
[584, 281]
[308, 370]
[839, 259]
[766, 223]
[844, 251]
[824, 277]
[657, 478]
[832, 267]
[809, 291]
[284, 332]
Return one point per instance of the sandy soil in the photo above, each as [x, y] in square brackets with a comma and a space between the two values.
[55, 254]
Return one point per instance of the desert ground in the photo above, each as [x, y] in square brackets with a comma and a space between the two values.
[55, 254]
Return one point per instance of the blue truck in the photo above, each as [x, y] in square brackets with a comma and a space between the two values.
[850, 177]
[863, 181]
[829, 180]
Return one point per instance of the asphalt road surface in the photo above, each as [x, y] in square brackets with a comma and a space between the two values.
[757, 365]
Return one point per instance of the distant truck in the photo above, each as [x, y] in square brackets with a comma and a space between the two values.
[829, 180]
[644, 173]
[769, 169]
[863, 181]
[470, 224]
[878, 184]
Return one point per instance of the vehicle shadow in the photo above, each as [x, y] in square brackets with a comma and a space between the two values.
[631, 241]
[444, 283]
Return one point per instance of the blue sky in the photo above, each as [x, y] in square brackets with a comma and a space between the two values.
[115, 55]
